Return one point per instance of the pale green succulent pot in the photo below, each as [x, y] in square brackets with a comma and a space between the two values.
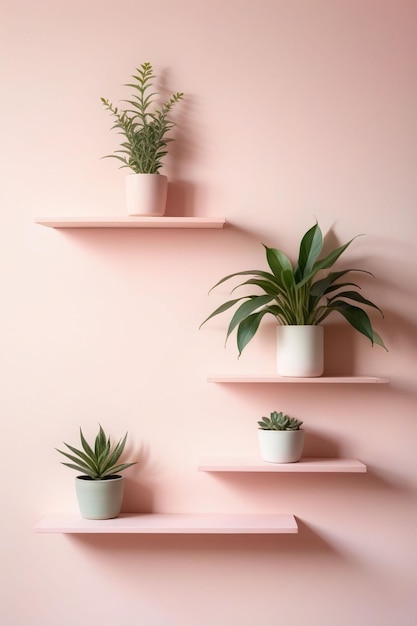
[99, 499]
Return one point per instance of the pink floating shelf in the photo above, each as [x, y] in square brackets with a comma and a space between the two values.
[307, 465]
[284, 380]
[178, 524]
[131, 222]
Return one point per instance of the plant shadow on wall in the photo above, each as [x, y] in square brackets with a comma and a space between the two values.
[183, 195]
[300, 297]
[317, 445]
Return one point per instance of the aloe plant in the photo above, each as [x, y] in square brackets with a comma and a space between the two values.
[279, 421]
[99, 461]
[143, 125]
[300, 294]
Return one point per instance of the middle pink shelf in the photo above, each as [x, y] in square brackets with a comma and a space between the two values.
[306, 465]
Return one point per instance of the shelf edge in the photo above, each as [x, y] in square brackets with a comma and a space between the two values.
[256, 465]
[131, 222]
[190, 524]
[281, 380]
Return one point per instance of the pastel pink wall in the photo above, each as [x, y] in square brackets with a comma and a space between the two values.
[293, 110]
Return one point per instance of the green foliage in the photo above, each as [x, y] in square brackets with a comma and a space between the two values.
[304, 294]
[143, 126]
[98, 461]
[279, 421]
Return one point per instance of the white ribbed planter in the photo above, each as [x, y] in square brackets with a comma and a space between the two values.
[300, 351]
[146, 194]
[99, 499]
[281, 446]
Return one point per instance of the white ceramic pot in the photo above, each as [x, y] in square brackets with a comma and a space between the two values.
[300, 351]
[99, 499]
[146, 194]
[281, 446]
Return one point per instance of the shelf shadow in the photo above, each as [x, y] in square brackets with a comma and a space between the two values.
[306, 542]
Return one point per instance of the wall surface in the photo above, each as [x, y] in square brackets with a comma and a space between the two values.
[294, 110]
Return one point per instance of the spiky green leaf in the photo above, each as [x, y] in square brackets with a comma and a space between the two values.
[112, 458]
[81, 469]
[87, 465]
[88, 450]
[100, 461]
[116, 469]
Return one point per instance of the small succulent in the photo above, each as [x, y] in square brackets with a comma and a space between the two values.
[100, 461]
[279, 421]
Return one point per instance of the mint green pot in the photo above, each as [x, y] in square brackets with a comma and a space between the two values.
[99, 499]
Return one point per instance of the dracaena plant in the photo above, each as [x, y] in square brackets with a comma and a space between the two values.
[300, 294]
[98, 461]
[279, 421]
[144, 125]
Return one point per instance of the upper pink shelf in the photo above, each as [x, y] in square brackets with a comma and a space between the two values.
[253, 378]
[132, 222]
[305, 465]
[161, 523]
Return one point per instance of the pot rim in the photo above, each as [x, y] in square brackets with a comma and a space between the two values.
[273, 430]
[99, 480]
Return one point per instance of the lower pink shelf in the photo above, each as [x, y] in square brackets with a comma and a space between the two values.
[162, 523]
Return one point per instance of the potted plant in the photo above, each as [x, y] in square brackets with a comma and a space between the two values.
[300, 297]
[281, 439]
[100, 486]
[144, 127]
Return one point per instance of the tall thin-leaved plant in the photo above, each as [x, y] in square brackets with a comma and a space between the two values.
[143, 125]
